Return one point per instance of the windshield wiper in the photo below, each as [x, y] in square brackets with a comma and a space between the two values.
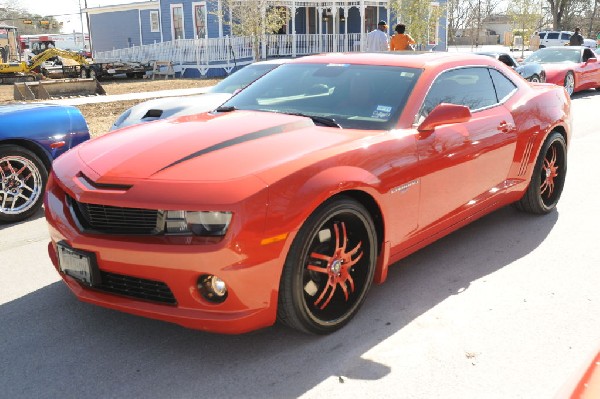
[321, 120]
[225, 108]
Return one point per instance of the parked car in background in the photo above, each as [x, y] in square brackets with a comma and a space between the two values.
[532, 72]
[291, 198]
[561, 38]
[574, 67]
[167, 107]
[31, 137]
[554, 38]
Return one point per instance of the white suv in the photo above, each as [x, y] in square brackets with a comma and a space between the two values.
[555, 38]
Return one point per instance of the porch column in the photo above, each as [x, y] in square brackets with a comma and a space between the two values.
[362, 25]
[220, 12]
[293, 28]
[335, 27]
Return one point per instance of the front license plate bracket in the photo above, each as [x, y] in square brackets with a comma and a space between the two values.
[81, 265]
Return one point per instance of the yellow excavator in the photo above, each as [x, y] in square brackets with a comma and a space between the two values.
[28, 86]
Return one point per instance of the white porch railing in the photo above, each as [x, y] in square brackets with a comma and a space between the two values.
[225, 53]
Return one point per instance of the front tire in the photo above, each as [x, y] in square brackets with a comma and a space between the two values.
[23, 179]
[329, 268]
[548, 178]
[569, 83]
[535, 78]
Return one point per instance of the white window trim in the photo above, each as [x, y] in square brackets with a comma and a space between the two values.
[172, 6]
[155, 12]
[200, 3]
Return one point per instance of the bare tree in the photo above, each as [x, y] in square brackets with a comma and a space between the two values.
[526, 16]
[420, 16]
[254, 18]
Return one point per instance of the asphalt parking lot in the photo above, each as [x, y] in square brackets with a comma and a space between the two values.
[507, 307]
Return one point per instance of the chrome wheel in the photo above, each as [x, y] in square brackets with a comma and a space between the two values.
[570, 83]
[329, 269]
[22, 181]
[535, 78]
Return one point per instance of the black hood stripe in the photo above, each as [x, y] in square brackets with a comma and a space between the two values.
[245, 138]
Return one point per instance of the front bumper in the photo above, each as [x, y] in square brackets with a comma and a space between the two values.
[252, 274]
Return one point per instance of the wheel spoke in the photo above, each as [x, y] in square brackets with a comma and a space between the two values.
[339, 267]
[328, 287]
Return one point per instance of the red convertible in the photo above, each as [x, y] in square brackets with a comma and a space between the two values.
[290, 199]
[574, 67]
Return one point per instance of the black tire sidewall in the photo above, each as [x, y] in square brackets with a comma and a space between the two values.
[292, 278]
[534, 185]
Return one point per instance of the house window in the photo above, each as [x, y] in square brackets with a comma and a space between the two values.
[200, 19]
[177, 21]
[370, 18]
[154, 25]
[312, 18]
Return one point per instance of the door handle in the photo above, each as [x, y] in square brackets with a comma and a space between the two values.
[506, 127]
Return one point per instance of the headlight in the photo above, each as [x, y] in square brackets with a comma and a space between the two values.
[203, 223]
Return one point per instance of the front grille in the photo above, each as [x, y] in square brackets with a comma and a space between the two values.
[149, 290]
[115, 220]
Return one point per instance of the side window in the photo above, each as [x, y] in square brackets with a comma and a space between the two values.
[504, 86]
[552, 35]
[565, 36]
[542, 35]
[587, 54]
[472, 87]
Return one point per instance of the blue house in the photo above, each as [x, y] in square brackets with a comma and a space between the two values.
[199, 33]
[154, 21]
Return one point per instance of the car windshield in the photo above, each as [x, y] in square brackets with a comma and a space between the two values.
[242, 78]
[353, 96]
[555, 55]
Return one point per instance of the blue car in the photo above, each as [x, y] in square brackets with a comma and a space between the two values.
[31, 137]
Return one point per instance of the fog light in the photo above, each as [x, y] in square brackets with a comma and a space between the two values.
[212, 288]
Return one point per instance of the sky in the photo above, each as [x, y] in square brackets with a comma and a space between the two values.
[66, 11]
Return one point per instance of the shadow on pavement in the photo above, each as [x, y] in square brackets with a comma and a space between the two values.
[55, 346]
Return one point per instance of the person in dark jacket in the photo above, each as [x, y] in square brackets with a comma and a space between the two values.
[576, 38]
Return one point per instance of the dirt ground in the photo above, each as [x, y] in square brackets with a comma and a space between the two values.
[100, 117]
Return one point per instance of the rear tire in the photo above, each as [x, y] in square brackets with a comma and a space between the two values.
[329, 268]
[23, 179]
[548, 178]
[535, 78]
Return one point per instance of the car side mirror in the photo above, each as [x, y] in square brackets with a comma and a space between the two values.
[443, 114]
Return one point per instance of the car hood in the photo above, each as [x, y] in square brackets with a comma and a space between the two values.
[208, 147]
[168, 107]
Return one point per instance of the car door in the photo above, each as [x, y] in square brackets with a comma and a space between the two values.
[590, 70]
[464, 164]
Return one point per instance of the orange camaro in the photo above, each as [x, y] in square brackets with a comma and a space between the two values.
[290, 199]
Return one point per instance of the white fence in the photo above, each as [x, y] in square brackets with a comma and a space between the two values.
[226, 53]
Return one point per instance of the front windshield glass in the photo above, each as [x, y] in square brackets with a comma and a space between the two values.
[354, 96]
[242, 78]
[555, 56]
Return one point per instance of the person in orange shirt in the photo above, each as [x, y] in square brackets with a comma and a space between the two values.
[401, 41]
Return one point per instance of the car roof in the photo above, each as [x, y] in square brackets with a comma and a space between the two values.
[418, 60]
[274, 61]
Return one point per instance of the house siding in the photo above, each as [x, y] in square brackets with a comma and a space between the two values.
[104, 35]
[148, 37]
